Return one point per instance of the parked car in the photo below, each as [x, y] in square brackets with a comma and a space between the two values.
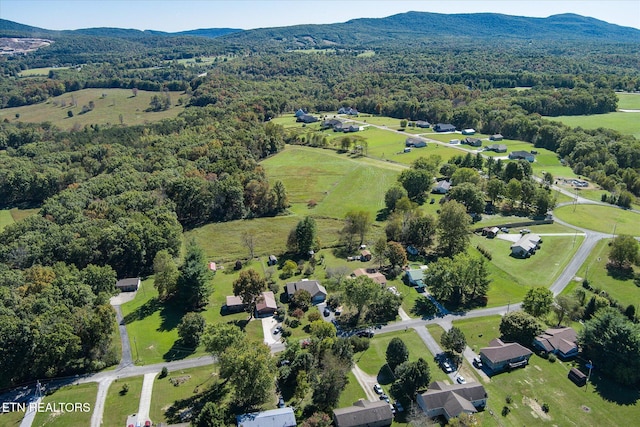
[281, 403]
[385, 398]
[504, 229]
[525, 231]
[377, 389]
[365, 334]
[326, 312]
[446, 366]
[398, 406]
[460, 379]
[277, 330]
[477, 362]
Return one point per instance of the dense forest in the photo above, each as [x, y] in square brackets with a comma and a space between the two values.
[110, 198]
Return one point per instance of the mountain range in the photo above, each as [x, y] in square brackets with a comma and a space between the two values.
[410, 28]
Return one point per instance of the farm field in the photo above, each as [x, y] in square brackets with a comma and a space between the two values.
[336, 182]
[624, 122]
[595, 271]
[38, 72]
[9, 216]
[628, 101]
[600, 218]
[107, 109]
[5, 218]
[82, 393]
[600, 403]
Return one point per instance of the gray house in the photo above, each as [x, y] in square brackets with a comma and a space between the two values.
[474, 142]
[317, 291]
[498, 148]
[501, 356]
[444, 127]
[526, 246]
[522, 155]
[451, 400]
[415, 142]
[442, 187]
[560, 341]
[364, 414]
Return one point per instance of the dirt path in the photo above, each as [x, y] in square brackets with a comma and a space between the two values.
[366, 381]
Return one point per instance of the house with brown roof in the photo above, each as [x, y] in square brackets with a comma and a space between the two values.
[317, 291]
[266, 304]
[234, 304]
[560, 341]
[371, 273]
[451, 400]
[364, 414]
[501, 356]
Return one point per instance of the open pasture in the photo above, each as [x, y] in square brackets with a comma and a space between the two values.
[84, 394]
[607, 219]
[109, 105]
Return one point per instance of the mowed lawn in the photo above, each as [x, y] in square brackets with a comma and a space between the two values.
[73, 394]
[373, 360]
[107, 109]
[118, 406]
[595, 270]
[9, 216]
[512, 277]
[607, 219]
[601, 403]
[190, 383]
[152, 325]
[628, 101]
[5, 218]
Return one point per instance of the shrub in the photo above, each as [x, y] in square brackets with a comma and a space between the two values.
[298, 313]
[552, 358]
[359, 343]
[508, 399]
[125, 389]
[164, 372]
[286, 332]
[505, 411]
[545, 407]
[484, 251]
[292, 323]
[313, 316]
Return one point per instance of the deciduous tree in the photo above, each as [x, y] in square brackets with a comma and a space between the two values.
[397, 353]
[537, 301]
[190, 329]
[624, 251]
[249, 285]
[520, 327]
[411, 376]
[454, 340]
[453, 229]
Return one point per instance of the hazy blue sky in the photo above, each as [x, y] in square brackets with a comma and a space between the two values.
[170, 15]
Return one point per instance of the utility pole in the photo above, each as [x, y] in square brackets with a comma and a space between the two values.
[590, 366]
[135, 344]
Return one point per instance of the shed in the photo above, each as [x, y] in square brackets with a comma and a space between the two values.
[577, 376]
[130, 284]
[496, 137]
[272, 260]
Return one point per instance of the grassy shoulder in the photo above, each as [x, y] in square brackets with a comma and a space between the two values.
[607, 219]
[111, 106]
[620, 287]
[83, 394]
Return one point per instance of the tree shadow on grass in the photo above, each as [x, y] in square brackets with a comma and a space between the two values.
[145, 310]
[187, 409]
[170, 315]
[178, 352]
[614, 392]
[619, 273]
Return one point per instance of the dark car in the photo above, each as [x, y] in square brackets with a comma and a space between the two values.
[326, 312]
[281, 403]
[365, 334]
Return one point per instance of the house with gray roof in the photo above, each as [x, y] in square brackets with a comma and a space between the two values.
[522, 155]
[526, 246]
[474, 142]
[560, 341]
[317, 291]
[364, 414]
[498, 148]
[282, 417]
[501, 356]
[442, 187]
[415, 142]
[451, 400]
[130, 284]
[444, 127]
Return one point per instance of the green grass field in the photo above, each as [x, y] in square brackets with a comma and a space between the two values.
[191, 382]
[37, 72]
[82, 393]
[601, 403]
[5, 218]
[373, 360]
[118, 406]
[595, 270]
[624, 122]
[11, 419]
[107, 109]
[628, 101]
[352, 392]
[600, 218]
